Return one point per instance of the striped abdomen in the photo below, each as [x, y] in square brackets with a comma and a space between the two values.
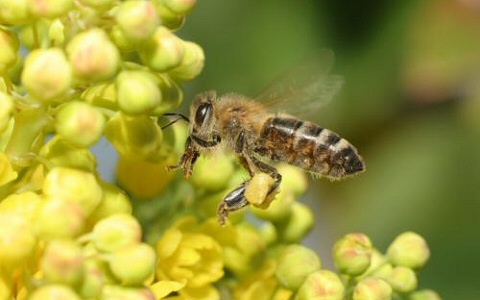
[308, 146]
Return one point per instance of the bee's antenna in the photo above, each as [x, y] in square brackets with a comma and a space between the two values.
[179, 117]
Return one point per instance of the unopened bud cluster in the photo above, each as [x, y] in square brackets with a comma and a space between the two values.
[72, 72]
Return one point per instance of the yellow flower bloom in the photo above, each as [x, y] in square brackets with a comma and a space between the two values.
[7, 173]
[188, 255]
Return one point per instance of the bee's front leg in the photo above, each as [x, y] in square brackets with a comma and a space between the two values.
[188, 158]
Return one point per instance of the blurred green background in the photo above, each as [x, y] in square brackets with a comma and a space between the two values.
[411, 105]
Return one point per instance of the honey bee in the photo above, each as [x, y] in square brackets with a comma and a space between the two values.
[258, 135]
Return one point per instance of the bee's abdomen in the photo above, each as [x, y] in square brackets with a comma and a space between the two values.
[308, 146]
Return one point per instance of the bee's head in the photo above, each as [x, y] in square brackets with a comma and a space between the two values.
[202, 115]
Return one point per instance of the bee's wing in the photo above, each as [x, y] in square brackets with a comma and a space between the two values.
[302, 91]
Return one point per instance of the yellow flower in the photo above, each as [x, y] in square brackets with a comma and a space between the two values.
[7, 173]
[188, 255]
[262, 284]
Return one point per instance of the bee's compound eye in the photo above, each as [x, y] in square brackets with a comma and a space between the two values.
[202, 111]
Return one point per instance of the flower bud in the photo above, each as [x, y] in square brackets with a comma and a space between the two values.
[180, 6]
[69, 220]
[117, 292]
[7, 173]
[47, 74]
[163, 51]
[299, 224]
[54, 291]
[322, 284]
[24, 204]
[172, 95]
[61, 153]
[100, 4]
[133, 274]
[80, 123]
[169, 19]
[114, 201]
[17, 241]
[93, 56]
[137, 137]
[116, 232]
[123, 43]
[138, 92]
[137, 19]
[8, 49]
[191, 64]
[424, 295]
[402, 279]
[93, 278]
[372, 289]
[279, 210]
[56, 32]
[102, 95]
[49, 9]
[62, 262]
[408, 249]
[295, 264]
[213, 173]
[293, 179]
[14, 12]
[353, 253]
[73, 185]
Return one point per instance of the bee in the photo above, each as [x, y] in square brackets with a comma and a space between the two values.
[258, 134]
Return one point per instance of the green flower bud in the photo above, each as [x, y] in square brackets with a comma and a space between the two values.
[191, 64]
[372, 289]
[123, 43]
[47, 74]
[114, 201]
[100, 4]
[69, 220]
[14, 12]
[6, 110]
[295, 264]
[17, 241]
[56, 32]
[138, 137]
[169, 19]
[9, 46]
[321, 285]
[102, 95]
[93, 56]
[352, 254]
[49, 9]
[299, 224]
[137, 19]
[64, 154]
[23, 204]
[163, 51]
[138, 92]
[116, 292]
[73, 185]
[408, 249]
[80, 123]
[116, 232]
[180, 6]
[133, 274]
[93, 279]
[54, 291]
[424, 295]
[213, 173]
[172, 95]
[402, 279]
[62, 262]
[293, 179]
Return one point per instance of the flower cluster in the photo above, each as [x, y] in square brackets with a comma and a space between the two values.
[72, 72]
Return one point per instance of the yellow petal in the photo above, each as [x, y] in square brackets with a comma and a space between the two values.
[165, 287]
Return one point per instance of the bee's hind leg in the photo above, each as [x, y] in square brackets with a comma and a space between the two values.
[235, 200]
